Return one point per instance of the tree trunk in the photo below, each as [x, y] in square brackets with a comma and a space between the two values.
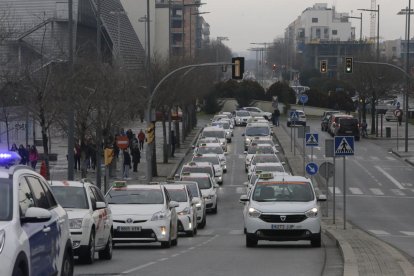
[45, 150]
[184, 124]
[373, 113]
[98, 143]
[177, 130]
[169, 130]
[164, 138]
[154, 154]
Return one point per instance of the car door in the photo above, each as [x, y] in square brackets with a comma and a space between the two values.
[105, 221]
[95, 217]
[172, 214]
[44, 236]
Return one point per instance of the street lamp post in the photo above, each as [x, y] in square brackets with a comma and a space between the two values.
[360, 25]
[378, 27]
[145, 20]
[191, 15]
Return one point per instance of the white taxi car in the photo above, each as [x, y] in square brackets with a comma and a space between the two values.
[213, 148]
[208, 188]
[90, 219]
[201, 205]
[256, 131]
[216, 132]
[282, 208]
[34, 228]
[257, 149]
[224, 124]
[241, 117]
[274, 167]
[143, 213]
[187, 212]
[203, 167]
[215, 161]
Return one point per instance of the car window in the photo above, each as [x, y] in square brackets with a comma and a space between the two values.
[26, 199]
[193, 190]
[178, 195]
[203, 182]
[257, 131]
[93, 198]
[282, 191]
[6, 199]
[39, 194]
[205, 150]
[136, 196]
[49, 195]
[196, 169]
[71, 197]
[98, 194]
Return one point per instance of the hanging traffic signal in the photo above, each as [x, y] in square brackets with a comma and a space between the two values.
[237, 68]
[323, 66]
[349, 63]
[274, 67]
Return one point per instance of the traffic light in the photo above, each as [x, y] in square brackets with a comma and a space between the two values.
[323, 66]
[237, 68]
[150, 133]
[349, 63]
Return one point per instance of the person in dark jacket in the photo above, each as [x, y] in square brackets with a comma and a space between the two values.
[23, 154]
[276, 115]
[173, 143]
[136, 157]
[127, 164]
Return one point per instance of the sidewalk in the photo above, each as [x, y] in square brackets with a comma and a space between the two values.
[362, 253]
[58, 169]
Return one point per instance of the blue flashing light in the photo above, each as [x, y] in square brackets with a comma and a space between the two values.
[9, 158]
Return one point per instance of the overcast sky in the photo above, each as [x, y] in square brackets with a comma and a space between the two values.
[246, 21]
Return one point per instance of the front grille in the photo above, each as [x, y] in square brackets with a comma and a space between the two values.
[277, 219]
[144, 233]
[134, 221]
[209, 205]
[283, 233]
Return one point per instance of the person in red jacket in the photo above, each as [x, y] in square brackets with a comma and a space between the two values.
[33, 156]
[141, 139]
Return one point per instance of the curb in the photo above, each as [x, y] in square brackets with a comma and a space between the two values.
[174, 170]
[408, 161]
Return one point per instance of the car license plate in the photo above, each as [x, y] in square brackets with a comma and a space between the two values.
[282, 226]
[129, 228]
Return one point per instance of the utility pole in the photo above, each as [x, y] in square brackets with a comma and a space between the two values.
[71, 113]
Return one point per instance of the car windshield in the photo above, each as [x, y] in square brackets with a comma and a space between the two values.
[135, 196]
[221, 124]
[242, 113]
[71, 197]
[6, 199]
[257, 131]
[283, 191]
[203, 182]
[178, 195]
[213, 159]
[197, 169]
[268, 168]
[193, 190]
[265, 159]
[205, 150]
[263, 150]
[214, 133]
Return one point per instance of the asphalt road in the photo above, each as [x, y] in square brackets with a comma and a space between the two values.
[379, 189]
[219, 249]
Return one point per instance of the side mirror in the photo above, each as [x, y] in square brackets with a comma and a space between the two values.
[245, 152]
[244, 198]
[195, 201]
[322, 198]
[35, 214]
[100, 205]
[243, 134]
[173, 204]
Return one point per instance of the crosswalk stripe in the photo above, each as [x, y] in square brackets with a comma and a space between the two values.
[379, 232]
[407, 233]
[389, 158]
[337, 190]
[376, 191]
[392, 179]
[356, 191]
[398, 192]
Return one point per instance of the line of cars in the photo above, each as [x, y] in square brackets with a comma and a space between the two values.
[277, 206]
[337, 124]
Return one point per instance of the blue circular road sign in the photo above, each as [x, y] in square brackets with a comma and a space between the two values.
[303, 98]
[312, 168]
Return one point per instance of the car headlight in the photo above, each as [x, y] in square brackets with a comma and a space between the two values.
[2, 239]
[198, 205]
[312, 213]
[254, 213]
[75, 223]
[247, 140]
[159, 216]
[186, 211]
[209, 196]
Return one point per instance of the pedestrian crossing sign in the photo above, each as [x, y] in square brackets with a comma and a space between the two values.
[294, 116]
[344, 145]
[312, 139]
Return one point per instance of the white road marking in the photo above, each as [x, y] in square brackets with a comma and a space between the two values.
[374, 158]
[138, 267]
[391, 158]
[337, 190]
[379, 232]
[236, 232]
[358, 157]
[191, 248]
[392, 179]
[207, 232]
[175, 255]
[407, 233]
[398, 192]
[356, 191]
[163, 259]
[407, 184]
[376, 191]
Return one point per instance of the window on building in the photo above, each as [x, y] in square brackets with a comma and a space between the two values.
[314, 20]
[394, 49]
[318, 33]
[334, 32]
[176, 24]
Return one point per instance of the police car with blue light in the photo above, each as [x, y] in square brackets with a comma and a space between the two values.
[34, 228]
[90, 219]
[282, 208]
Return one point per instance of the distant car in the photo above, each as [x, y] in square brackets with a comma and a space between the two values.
[34, 228]
[215, 161]
[330, 112]
[201, 206]
[389, 115]
[241, 117]
[90, 219]
[262, 158]
[224, 124]
[300, 120]
[215, 132]
[275, 168]
[334, 122]
[143, 213]
[213, 148]
[261, 130]
[204, 167]
[258, 149]
[255, 111]
[282, 208]
[347, 127]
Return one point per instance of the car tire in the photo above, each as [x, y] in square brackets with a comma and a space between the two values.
[174, 242]
[288, 124]
[106, 254]
[251, 241]
[88, 255]
[18, 271]
[190, 233]
[167, 244]
[214, 211]
[316, 240]
[67, 263]
[202, 223]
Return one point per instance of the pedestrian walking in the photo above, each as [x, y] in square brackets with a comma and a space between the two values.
[141, 139]
[14, 148]
[173, 143]
[23, 154]
[364, 127]
[33, 156]
[77, 154]
[127, 164]
[136, 157]
[399, 119]
[276, 115]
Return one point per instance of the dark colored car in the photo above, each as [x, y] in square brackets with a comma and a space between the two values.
[348, 127]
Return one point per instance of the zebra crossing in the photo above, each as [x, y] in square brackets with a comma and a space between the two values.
[383, 233]
[356, 157]
[374, 192]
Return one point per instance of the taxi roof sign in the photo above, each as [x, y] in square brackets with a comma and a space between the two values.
[266, 176]
[119, 184]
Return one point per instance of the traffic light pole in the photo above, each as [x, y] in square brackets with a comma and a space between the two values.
[150, 119]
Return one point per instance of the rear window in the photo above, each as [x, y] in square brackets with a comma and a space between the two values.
[196, 169]
[348, 122]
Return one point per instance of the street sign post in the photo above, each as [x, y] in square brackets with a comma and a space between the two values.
[312, 140]
[293, 119]
[302, 130]
[312, 168]
[327, 170]
[303, 99]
